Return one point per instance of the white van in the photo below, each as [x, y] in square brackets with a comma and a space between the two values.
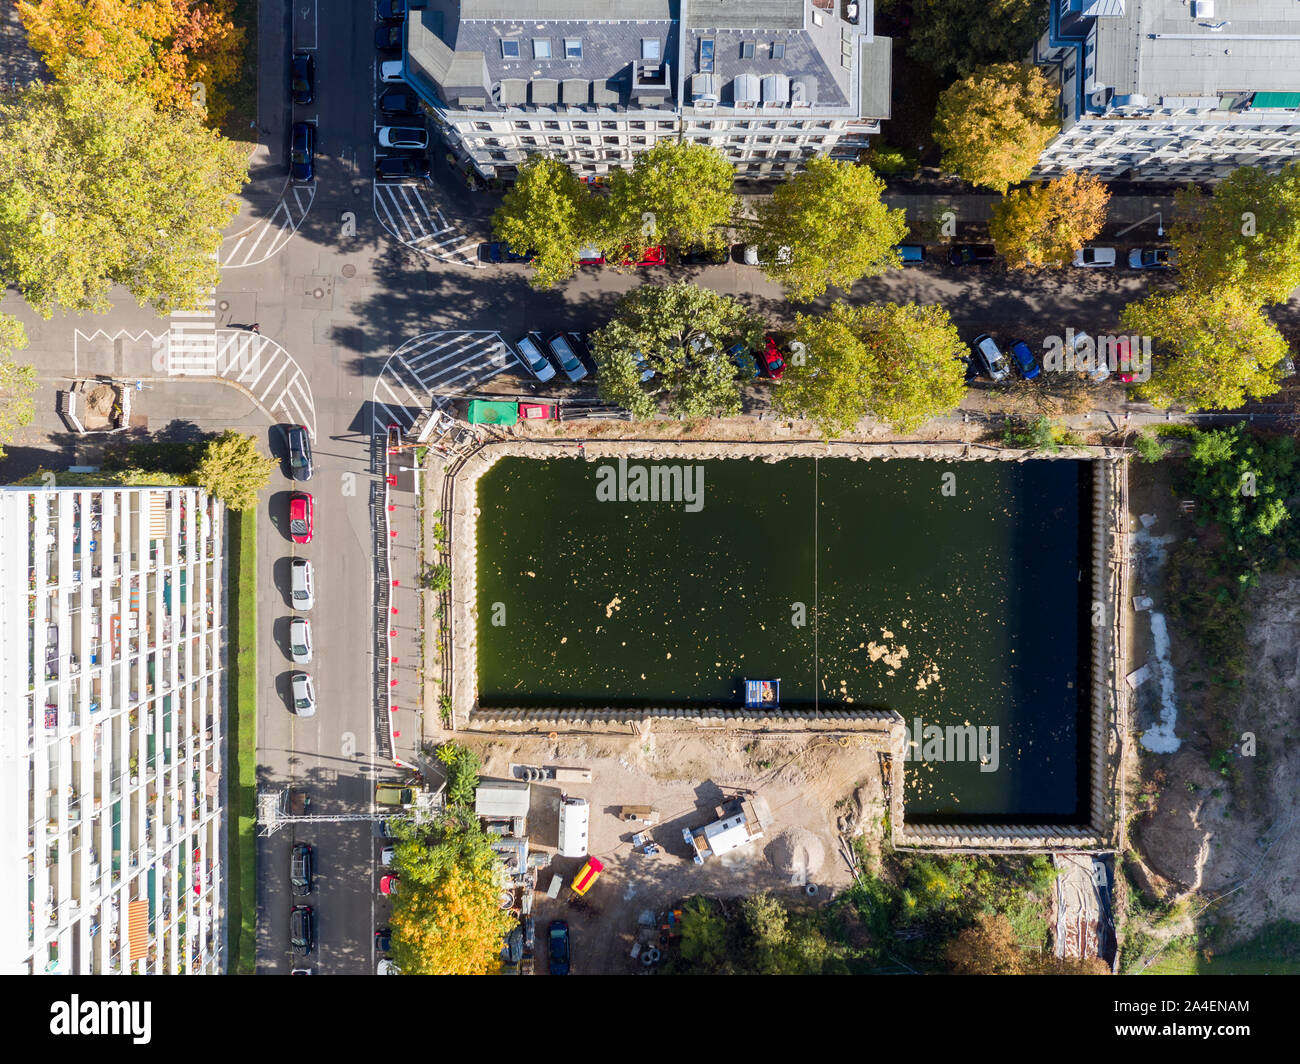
[575, 814]
[300, 584]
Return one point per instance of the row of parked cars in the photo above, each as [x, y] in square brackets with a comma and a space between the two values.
[302, 520]
[402, 134]
[997, 364]
[302, 136]
[1144, 258]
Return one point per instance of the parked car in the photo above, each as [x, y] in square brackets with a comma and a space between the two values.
[744, 361]
[397, 794]
[300, 516]
[529, 350]
[986, 348]
[1153, 258]
[388, 39]
[646, 372]
[302, 151]
[300, 641]
[1024, 359]
[701, 345]
[1100, 371]
[302, 929]
[558, 937]
[388, 883]
[567, 359]
[1127, 372]
[704, 256]
[391, 10]
[399, 103]
[299, 452]
[765, 255]
[304, 694]
[302, 588]
[1095, 258]
[770, 359]
[499, 251]
[390, 71]
[386, 855]
[651, 256]
[409, 138]
[401, 167]
[300, 860]
[911, 254]
[302, 77]
[387, 967]
[590, 255]
[971, 254]
[383, 940]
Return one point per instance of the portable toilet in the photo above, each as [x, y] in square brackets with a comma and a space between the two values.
[574, 817]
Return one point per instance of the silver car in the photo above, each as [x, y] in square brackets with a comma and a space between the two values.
[304, 695]
[301, 586]
[529, 350]
[568, 360]
[300, 640]
[410, 137]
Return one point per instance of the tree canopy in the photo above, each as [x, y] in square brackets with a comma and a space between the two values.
[549, 212]
[97, 188]
[895, 362]
[994, 124]
[831, 218]
[1210, 350]
[761, 937]
[233, 471]
[660, 321]
[1045, 224]
[952, 37]
[176, 52]
[446, 916]
[677, 193]
[17, 381]
[1246, 234]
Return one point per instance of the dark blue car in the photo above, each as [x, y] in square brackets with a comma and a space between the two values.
[302, 77]
[500, 251]
[559, 947]
[744, 361]
[302, 152]
[1024, 359]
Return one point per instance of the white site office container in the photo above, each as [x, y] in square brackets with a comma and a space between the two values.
[574, 817]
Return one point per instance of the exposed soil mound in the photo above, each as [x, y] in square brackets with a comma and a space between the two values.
[796, 853]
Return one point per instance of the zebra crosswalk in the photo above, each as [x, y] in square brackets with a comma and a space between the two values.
[189, 347]
[259, 241]
[409, 212]
[433, 368]
[269, 373]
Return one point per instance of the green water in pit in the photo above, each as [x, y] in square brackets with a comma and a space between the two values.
[953, 593]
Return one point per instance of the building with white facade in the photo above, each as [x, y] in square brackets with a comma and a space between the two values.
[111, 730]
[593, 82]
[1183, 90]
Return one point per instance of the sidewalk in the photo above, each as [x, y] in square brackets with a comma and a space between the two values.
[406, 623]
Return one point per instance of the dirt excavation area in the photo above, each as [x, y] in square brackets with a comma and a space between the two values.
[1216, 819]
[814, 785]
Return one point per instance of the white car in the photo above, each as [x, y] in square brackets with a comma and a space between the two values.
[1095, 258]
[529, 351]
[301, 587]
[386, 855]
[390, 71]
[567, 358]
[756, 255]
[991, 355]
[1101, 368]
[646, 372]
[406, 137]
[304, 695]
[387, 967]
[300, 641]
[701, 345]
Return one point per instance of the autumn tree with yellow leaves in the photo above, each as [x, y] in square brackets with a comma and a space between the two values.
[1045, 224]
[179, 53]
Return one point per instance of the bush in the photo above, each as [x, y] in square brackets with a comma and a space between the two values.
[1037, 435]
[886, 161]
[462, 765]
[1150, 448]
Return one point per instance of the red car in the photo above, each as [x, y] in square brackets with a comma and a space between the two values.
[300, 517]
[770, 359]
[388, 884]
[1126, 370]
[653, 256]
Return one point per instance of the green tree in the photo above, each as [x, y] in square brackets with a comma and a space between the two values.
[994, 124]
[232, 470]
[895, 362]
[99, 188]
[831, 219]
[1045, 224]
[953, 37]
[704, 936]
[1245, 235]
[17, 381]
[447, 919]
[1211, 350]
[551, 213]
[678, 193]
[462, 766]
[668, 325]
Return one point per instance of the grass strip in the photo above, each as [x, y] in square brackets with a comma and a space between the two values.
[241, 731]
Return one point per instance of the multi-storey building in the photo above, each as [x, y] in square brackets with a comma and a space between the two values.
[1184, 90]
[111, 730]
[593, 82]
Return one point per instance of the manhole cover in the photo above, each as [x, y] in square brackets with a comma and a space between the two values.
[349, 270]
[224, 305]
[318, 292]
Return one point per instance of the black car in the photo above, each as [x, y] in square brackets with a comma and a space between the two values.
[392, 10]
[558, 934]
[397, 167]
[399, 102]
[384, 940]
[300, 868]
[302, 152]
[302, 929]
[302, 77]
[299, 452]
[704, 256]
[971, 254]
[388, 39]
